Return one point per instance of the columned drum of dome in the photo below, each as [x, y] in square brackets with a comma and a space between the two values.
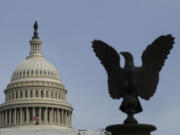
[35, 95]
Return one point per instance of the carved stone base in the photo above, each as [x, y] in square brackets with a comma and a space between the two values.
[130, 129]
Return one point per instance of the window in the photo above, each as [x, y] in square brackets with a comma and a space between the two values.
[32, 72]
[59, 95]
[13, 95]
[16, 95]
[52, 96]
[26, 94]
[56, 95]
[36, 93]
[47, 94]
[42, 93]
[9, 96]
[21, 94]
[31, 93]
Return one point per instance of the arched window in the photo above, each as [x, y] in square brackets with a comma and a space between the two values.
[32, 72]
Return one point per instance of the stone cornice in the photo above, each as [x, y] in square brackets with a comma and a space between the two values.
[36, 104]
[37, 84]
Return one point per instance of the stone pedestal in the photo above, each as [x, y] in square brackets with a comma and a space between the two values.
[130, 129]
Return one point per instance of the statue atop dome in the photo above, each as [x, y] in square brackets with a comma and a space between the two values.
[35, 36]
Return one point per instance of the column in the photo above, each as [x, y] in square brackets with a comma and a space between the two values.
[68, 118]
[21, 116]
[34, 93]
[19, 95]
[10, 117]
[58, 120]
[62, 116]
[2, 116]
[14, 116]
[0, 120]
[39, 114]
[55, 117]
[5, 117]
[49, 115]
[71, 119]
[23, 91]
[27, 115]
[45, 115]
[33, 114]
[52, 116]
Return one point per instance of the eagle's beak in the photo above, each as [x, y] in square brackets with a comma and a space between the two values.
[123, 53]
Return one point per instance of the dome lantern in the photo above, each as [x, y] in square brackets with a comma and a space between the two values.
[35, 43]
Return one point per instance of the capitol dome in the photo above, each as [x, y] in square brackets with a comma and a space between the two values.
[35, 95]
[35, 67]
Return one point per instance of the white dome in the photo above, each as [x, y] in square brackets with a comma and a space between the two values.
[35, 68]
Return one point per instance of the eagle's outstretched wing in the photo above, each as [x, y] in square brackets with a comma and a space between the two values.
[111, 61]
[153, 59]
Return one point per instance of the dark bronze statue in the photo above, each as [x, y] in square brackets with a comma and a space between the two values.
[131, 81]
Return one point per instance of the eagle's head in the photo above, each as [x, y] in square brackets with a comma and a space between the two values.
[129, 63]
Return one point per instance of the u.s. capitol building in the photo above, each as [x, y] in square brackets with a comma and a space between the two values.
[35, 98]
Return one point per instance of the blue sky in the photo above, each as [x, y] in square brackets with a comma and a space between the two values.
[67, 28]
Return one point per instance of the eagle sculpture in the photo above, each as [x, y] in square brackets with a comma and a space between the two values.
[132, 82]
